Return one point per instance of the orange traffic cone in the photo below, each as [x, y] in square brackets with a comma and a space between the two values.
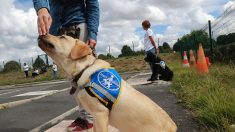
[192, 61]
[201, 62]
[208, 62]
[185, 61]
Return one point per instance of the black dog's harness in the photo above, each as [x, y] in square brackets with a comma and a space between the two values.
[76, 78]
[104, 84]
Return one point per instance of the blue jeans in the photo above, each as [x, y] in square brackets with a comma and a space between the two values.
[55, 74]
[66, 13]
[152, 51]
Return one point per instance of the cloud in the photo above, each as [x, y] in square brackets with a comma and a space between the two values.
[230, 5]
[120, 24]
[18, 32]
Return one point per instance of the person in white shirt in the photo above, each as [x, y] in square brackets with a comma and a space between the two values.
[35, 72]
[26, 70]
[149, 43]
[55, 71]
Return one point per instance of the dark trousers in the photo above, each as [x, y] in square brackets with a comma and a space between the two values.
[26, 73]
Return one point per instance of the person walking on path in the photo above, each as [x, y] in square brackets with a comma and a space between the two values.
[55, 71]
[26, 70]
[76, 18]
[149, 43]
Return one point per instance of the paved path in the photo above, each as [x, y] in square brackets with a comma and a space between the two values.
[44, 113]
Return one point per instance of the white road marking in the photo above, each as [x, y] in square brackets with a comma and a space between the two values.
[36, 93]
[9, 92]
[20, 102]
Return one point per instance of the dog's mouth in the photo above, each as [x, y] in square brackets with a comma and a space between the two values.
[44, 44]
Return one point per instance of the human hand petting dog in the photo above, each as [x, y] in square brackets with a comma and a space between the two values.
[91, 43]
[44, 21]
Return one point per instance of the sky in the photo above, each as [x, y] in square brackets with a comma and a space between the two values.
[120, 24]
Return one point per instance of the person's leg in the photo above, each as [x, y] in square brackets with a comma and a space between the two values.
[84, 120]
[83, 36]
[151, 63]
[53, 74]
[56, 74]
[27, 73]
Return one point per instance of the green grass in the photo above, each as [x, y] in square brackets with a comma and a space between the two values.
[13, 78]
[211, 97]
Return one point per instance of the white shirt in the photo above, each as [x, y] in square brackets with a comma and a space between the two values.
[54, 67]
[147, 43]
[26, 67]
[36, 71]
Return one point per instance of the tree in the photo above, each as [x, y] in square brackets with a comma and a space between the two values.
[166, 46]
[161, 49]
[231, 38]
[191, 41]
[105, 57]
[109, 56]
[38, 63]
[11, 66]
[126, 51]
[102, 56]
[176, 46]
[221, 40]
[141, 52]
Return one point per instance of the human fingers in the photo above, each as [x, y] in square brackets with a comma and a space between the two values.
[91, 43]
[41, 25]
[47, 21]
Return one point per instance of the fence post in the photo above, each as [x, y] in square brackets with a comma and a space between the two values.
[20, 63]
[195, 46]
[210, 36]
[32, 61]
[47, 59]
[39, 61]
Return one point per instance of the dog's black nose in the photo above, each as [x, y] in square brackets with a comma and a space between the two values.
[41, 37]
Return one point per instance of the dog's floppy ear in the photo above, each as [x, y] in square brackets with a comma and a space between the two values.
[80, 50]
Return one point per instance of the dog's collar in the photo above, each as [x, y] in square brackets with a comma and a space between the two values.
[76, 78]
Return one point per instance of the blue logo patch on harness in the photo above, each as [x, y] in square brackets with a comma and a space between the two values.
[105, 84]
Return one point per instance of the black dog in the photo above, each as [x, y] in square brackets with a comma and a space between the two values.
[159, 67]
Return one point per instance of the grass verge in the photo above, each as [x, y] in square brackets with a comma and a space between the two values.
[13, 78]
[211, 96]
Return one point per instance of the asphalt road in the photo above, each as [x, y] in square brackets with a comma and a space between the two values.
[55, 100]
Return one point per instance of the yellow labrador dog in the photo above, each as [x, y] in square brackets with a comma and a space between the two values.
[133, 112]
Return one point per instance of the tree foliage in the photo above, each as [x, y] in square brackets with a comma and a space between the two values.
[11, 66]
[165, 48]
[105, 57]
[38, 63]
[226, 39]
[191, 41]
[127, 51]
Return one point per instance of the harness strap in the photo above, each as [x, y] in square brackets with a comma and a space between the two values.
[101, 90]
[108, 103]
[76, 78]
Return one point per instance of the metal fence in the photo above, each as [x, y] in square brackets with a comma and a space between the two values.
[30, 61]
[223, 25]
